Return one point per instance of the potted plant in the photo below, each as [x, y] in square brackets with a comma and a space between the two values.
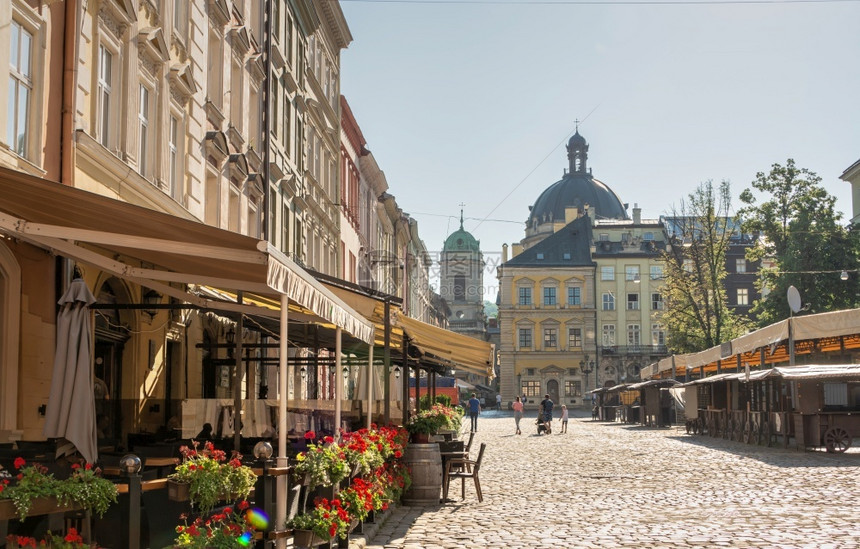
[322, 464]
[228, 528]
[83, 489]
[326, 520]
[208, 479]
[424, 424]
[72, 540]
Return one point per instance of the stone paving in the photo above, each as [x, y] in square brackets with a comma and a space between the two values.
[613, 485]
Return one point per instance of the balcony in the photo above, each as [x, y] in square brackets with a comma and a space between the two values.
[624, 350]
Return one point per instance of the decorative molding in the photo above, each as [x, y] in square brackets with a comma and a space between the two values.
[107, 20]
[218, 11]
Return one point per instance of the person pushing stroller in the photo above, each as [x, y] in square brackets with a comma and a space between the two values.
[546, 410]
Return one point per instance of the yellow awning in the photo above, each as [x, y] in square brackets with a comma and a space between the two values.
[116, 236]
[467, 353]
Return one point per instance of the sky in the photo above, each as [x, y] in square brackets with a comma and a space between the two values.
[473, 102]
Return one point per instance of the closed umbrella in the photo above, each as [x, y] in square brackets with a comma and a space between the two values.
[71, 410]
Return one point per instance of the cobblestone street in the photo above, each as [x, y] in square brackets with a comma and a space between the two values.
[612, 485]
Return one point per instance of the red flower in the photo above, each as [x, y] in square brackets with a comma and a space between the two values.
[328, 440]
[332, 530]
[76, 466]
[398, 454]
[19, 462]
[243, 505]
[73, 537]
[310, 435]
[88, 466]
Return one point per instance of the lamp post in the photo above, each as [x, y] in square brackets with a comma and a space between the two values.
[587, 367]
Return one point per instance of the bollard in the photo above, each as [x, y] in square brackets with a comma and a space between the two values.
[265, 490]
[131, 465]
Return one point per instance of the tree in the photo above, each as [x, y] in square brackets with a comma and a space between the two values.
[697, 315]
[800, 235]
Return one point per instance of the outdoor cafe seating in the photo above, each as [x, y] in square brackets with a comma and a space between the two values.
[464, 468]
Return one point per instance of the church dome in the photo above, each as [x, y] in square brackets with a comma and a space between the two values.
[576, 189]
[461, 240]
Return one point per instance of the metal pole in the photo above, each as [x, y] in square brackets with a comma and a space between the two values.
[237, 380]
[338, 382]
[283, 387]
[134, 510]
[405, 379]
[386, 359]
[370, 377]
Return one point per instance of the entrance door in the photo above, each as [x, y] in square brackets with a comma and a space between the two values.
[552, 390]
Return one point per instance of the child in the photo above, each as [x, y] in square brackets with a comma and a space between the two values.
[563, 418]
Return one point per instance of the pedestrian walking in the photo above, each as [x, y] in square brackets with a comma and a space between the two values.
[563, 418]
[474, 410]
[518, 414]
[499, 402]
[546, 409]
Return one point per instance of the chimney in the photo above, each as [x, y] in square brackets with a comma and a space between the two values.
[637, 214]
[504, 253]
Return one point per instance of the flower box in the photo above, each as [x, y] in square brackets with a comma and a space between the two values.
[40, 506]
[306, 538]
[178, 491]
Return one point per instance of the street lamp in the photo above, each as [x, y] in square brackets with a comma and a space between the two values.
[397, 372]
[230, 336]
[587, 366]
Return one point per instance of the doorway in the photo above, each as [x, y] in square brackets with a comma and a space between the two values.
[552, 391]
[111, 333]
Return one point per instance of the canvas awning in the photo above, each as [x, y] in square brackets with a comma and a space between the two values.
[155, 249]
[466, 353]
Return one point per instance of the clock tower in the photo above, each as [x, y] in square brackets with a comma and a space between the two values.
[462, 282]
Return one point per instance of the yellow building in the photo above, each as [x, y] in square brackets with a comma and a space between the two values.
[580, 300]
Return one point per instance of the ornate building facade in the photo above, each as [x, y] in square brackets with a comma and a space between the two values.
[580, 302]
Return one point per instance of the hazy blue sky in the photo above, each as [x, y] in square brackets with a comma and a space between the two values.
[473, 102]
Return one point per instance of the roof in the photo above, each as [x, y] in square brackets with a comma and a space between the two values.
[570, 246]
[841, 372]
[155, 249]
[576, 189]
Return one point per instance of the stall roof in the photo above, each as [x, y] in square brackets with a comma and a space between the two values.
[653, 383]
[114, 236]
[833, 331]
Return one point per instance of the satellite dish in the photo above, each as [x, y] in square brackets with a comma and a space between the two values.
[793, 299]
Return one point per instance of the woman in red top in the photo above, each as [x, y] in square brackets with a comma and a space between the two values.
[518, 413]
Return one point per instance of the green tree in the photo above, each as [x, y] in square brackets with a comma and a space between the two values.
[697, 315]
[803, 240]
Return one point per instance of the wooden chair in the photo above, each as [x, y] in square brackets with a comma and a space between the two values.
[464, 468]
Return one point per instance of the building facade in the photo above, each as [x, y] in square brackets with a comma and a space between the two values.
[580, 299]
[461, 282]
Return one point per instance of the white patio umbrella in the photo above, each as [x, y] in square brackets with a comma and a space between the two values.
[71, 410]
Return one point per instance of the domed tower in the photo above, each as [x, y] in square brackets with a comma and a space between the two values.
[462, 282]
[579, 189]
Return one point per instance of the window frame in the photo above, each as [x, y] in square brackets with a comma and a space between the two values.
[630, 272]
[633, 301]
[657, 303]
[107, 91]
[574, 338]
[144, 130]
[608, 335]
[634, 334]
[607, 272]
[572, 388]
[550, 295]
[19, 80]
[550, 338]
[742, 297]
[608, 301]
[740, 265]
[524, 338]
[574, 295]
[522, 298]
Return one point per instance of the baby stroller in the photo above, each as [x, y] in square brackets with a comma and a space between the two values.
[541, 425]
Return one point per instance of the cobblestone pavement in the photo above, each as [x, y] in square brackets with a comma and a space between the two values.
[613, 485]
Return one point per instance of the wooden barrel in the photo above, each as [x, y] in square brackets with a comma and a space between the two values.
[425, 464]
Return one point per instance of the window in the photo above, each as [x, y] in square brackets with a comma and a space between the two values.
[525, 337]
[574, 295]
[631, 273]
[632, 302]
[656, 272]
[573, 388]
[608, 335]
[531, 388]
[608, 301]
[143, 125]
[180, 19]
[574, 338]
[607, 273]
[603, 237]
[215, 65]
[173, 160]
[743, 296]
[285, 227]
[104, 95]
[740, 265]
[633, 336]
[236, 103]
[459, 287]
[658, 336]
[20, 89]
[656, 302]
[525, 296]
[276, 20]
[549, 295]
[550, 338]
[648, 236]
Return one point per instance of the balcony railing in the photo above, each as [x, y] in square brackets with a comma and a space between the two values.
[634, 350]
